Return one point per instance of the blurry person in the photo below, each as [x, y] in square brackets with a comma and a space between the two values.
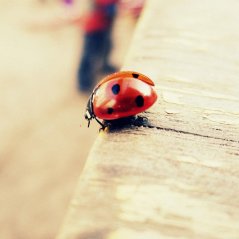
[68, 2]
[97, 27]
[134, 7]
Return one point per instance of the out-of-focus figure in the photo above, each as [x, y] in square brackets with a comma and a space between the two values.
[133, 6]
[68, 2]
[97, 26]
[96, 18]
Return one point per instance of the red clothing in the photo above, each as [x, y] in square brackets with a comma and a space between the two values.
[100, 17]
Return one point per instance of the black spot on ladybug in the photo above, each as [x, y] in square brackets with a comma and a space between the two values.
[110, 110]
[139, 100]
[135, 75]
[115, 89]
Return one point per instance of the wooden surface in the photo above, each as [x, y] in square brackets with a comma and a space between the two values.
[179, 179]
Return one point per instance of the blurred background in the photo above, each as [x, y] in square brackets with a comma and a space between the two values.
[44, 139]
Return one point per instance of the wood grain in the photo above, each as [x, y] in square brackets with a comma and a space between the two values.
[180, 178]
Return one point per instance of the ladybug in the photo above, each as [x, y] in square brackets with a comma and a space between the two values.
[120, 95]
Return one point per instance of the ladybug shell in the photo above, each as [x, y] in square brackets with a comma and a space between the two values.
[122, 97]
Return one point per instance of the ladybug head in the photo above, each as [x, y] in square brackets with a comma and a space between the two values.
[89, 113]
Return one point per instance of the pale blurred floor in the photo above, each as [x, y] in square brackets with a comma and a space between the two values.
[44, 139]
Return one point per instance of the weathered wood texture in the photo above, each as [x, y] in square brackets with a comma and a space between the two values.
[181, 178]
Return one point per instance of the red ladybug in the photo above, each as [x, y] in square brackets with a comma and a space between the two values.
[120, 95]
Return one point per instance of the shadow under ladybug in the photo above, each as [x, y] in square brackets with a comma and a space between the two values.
[127, 122]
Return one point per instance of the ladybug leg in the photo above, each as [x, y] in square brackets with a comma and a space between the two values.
[102, 128]
[101, 124]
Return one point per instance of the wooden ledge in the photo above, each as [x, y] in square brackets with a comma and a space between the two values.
[181, 178]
